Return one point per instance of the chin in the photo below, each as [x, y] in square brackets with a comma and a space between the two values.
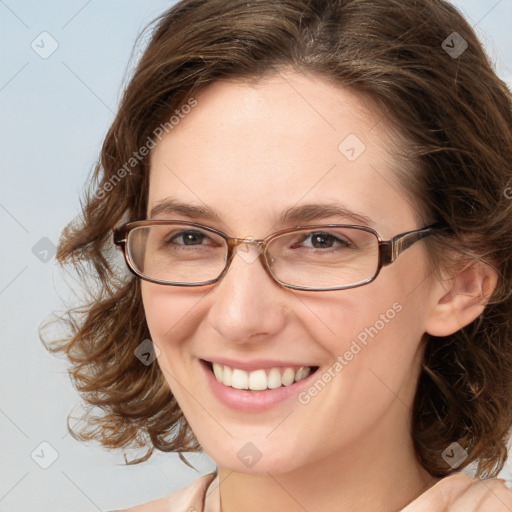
[250, 460]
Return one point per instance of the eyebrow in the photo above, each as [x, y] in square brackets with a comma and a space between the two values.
[295, 214]
[169, 206]
[309, 212]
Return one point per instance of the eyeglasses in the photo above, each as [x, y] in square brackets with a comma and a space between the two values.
[314, 258]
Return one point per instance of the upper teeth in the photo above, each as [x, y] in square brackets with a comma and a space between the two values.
[258, 380]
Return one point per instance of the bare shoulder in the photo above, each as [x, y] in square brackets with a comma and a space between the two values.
[492, 495]
[460, 492]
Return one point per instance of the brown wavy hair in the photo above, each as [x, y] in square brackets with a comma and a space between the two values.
[453, 116]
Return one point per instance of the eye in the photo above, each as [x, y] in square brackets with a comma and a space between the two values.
[188, 237]
[324, 240]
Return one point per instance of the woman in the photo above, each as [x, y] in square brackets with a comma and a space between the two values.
[312, 200]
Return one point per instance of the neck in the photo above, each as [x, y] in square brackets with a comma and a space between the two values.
[382, 474]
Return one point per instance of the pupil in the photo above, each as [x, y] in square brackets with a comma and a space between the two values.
[192, 238]
[320, 240]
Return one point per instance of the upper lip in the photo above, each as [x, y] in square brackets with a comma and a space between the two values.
[256, 364]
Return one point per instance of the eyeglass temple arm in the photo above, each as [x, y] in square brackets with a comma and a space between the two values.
[119, 236]
[391, 249]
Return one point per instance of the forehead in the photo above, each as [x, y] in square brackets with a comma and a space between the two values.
[251, 151]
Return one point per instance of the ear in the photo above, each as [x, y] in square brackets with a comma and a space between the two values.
[461, 298]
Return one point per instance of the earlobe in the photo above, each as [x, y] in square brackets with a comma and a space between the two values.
[461, 299]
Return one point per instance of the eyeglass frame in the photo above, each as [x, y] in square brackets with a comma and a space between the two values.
[388, 250]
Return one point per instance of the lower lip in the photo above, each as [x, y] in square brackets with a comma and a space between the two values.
[252, 401]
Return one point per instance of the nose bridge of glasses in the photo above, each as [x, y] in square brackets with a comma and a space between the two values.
[242, 247]
[250, 240]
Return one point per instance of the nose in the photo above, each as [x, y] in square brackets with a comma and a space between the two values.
[247, 304]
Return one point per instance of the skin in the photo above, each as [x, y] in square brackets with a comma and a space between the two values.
[250, 152]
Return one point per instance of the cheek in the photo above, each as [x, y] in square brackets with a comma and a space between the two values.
[359, 313]
[172, 315]
[170, 312]
[373, 332]
[376, 357]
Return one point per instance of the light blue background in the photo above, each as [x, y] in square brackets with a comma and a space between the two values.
[53, 115]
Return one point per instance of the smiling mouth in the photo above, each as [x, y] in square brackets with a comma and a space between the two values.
[259, 380]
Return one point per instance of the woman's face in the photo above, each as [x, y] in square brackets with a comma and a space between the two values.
[250, 153]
